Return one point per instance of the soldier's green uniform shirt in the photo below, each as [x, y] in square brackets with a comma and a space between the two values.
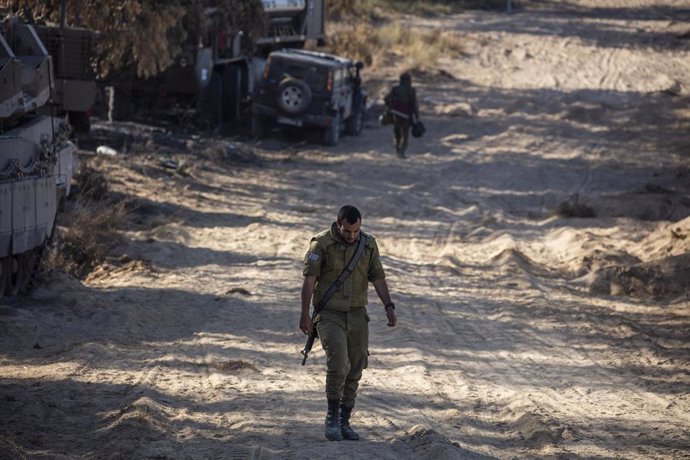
[403, 98]
[326, 258]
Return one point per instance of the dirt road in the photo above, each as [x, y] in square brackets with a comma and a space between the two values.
[524, 330]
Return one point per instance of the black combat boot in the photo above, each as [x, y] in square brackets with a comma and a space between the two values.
[345, 428]
[333, 421]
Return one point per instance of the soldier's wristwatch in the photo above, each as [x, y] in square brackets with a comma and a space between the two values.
[391, 304]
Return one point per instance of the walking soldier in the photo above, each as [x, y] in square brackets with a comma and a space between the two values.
[338, 267]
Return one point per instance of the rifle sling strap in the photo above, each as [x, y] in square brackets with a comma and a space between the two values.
[347, 271]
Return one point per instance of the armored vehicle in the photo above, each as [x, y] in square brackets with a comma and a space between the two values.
[310, 89]
[37, 160]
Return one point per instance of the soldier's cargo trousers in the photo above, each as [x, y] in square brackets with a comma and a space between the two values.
[345, 339]
[401, 131]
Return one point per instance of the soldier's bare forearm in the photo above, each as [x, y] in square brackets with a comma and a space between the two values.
[381, 287]
[307, 293]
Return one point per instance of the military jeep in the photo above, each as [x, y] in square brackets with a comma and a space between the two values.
[308, 89]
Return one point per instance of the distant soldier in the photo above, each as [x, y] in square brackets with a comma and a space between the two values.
[343, 323]
[401, 101]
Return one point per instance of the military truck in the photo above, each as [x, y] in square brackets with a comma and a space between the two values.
[37, 159]
[219, 66]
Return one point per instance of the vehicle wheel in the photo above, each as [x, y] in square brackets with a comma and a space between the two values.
[22, 268]
[19, 274]
[294, 96]
[354, 123]
[331, 135]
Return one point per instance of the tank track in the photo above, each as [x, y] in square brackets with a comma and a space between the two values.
[19, 279]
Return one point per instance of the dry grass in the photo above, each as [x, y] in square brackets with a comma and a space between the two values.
[408, 48]
[89, 228]
[418, 49]
[339, 9]
[373, 31]
[357, 41]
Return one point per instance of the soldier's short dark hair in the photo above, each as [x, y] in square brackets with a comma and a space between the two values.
[405, 77]
[349, 213]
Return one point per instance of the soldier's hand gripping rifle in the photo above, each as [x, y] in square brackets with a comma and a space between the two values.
[310, 340]
[329, 293]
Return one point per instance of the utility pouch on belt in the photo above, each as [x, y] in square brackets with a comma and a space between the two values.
[347, 271]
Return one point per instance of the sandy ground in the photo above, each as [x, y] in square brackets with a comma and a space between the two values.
[523, 332]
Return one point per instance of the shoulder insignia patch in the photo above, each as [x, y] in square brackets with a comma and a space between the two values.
[313, 256]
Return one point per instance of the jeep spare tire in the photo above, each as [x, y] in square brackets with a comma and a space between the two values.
[294, 96]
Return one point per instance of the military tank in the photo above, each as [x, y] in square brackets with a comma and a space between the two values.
[37, 159]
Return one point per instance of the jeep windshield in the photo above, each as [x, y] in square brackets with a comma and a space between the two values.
[312, 75]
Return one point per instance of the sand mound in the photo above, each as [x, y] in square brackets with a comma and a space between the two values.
[664, 275]
[537, 433]
[661, 279]
[428, 444]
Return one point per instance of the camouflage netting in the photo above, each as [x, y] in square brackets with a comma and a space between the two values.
[145, 34]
